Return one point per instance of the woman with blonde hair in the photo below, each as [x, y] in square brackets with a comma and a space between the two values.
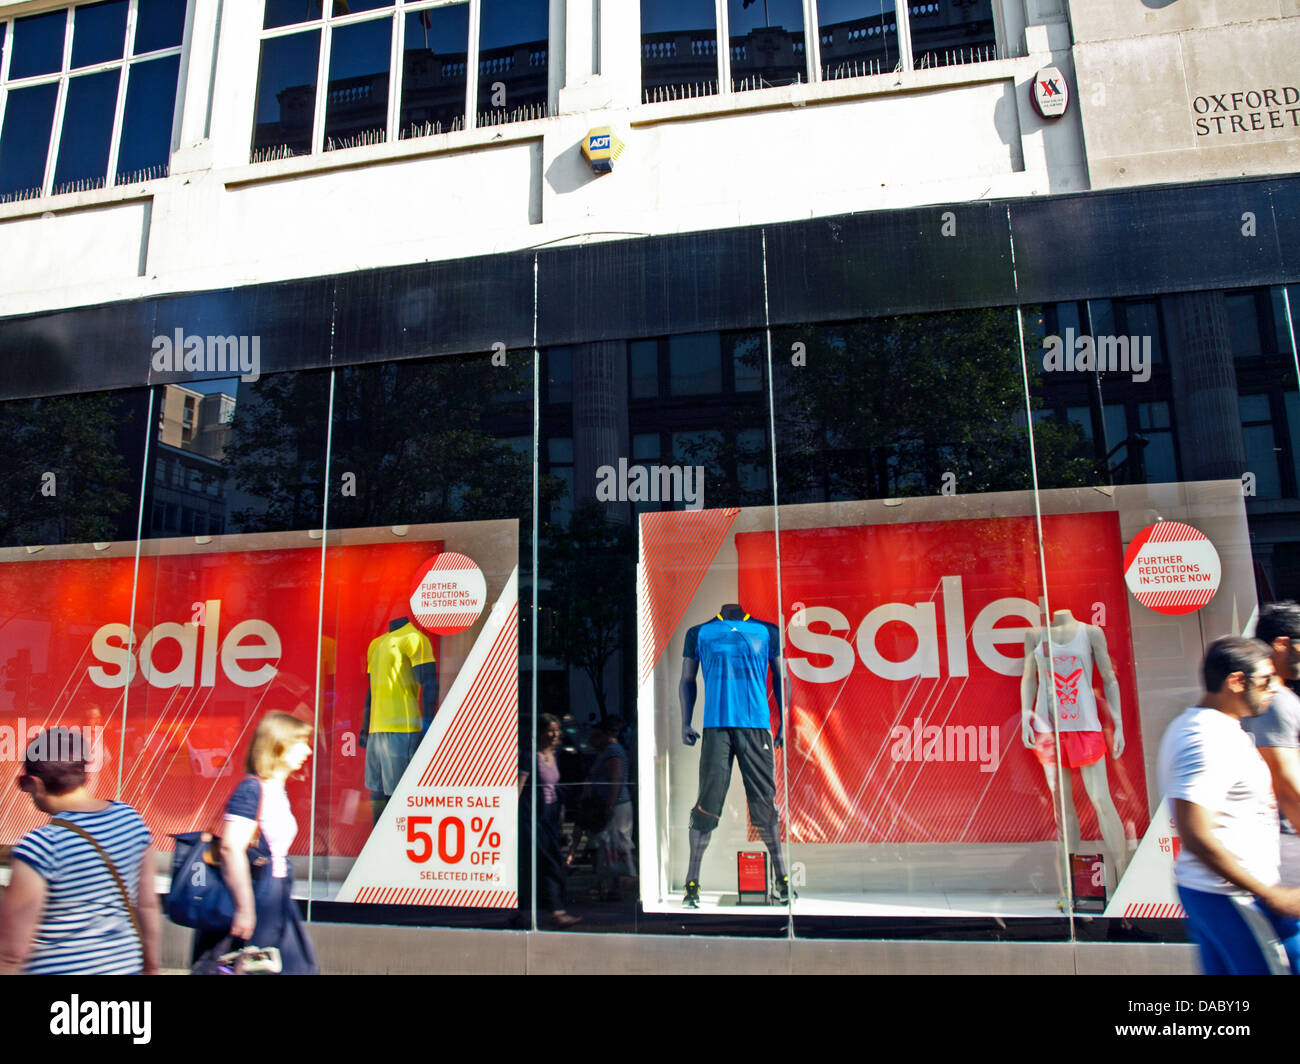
[265, 912]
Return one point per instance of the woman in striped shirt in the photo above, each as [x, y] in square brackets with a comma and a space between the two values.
[63, 913]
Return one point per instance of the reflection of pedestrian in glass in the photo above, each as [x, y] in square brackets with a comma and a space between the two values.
[606, 794]
[551, 872]
[265, 915]
[64, 912]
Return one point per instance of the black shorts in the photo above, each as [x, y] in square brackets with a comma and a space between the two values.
[752, 748]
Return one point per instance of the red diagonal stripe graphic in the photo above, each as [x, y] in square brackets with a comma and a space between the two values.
[677, 548]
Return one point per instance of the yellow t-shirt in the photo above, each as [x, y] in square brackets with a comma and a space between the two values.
[394, 690]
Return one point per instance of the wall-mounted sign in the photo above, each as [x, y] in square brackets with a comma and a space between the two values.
[601, 148]
[1050, 93]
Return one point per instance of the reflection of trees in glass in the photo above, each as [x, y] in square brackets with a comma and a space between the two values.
[422, 440]
[588, 575]
[412, 443]
[276, 453]
[72, 437]
[887, 407]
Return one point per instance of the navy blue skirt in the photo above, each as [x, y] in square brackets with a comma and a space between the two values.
[278, 925]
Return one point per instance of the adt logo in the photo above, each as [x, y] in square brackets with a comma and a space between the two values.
[599, 143]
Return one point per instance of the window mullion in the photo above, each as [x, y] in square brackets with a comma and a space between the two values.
[903, 20]
[812, 38]
[119, 110]
[56, 128]
[322, 89]
[5, 55]
[723, 19]
[471, 66]
[395, 64]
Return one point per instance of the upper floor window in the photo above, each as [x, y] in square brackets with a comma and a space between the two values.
[395, 69]
[767, 42]
[88, 96]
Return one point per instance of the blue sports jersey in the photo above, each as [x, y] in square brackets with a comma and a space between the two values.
[735, 657]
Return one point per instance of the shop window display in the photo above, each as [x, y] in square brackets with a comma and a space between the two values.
[918, 586]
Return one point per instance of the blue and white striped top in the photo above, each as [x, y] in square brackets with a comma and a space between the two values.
[85, 930]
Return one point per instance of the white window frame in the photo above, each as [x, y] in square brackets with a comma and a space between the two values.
[812, 74]
[66, 74]
[396, 16]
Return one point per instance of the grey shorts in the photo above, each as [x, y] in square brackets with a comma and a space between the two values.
[387, 755]
[751, 748]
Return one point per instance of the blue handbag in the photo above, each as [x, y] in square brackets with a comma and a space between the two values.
[199, 896]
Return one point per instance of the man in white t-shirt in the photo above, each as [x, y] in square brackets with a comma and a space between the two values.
[1221, 797]
[1277, 731]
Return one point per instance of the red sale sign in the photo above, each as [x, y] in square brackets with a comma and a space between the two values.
[170, 686]
[905, 649]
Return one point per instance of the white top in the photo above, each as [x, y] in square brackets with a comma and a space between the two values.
[1071, 674]
[1207, 759]
[279, 826]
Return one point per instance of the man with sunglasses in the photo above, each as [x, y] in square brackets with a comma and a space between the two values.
[1221, 797]
[1277, 730]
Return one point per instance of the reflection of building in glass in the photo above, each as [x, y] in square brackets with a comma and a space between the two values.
[190, 481]
[433, 98]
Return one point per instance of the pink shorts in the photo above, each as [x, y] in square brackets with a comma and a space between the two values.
[1078, 748]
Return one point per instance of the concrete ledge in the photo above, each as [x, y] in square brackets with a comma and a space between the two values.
[351, 949]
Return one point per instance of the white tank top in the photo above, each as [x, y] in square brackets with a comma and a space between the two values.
[1071, 674]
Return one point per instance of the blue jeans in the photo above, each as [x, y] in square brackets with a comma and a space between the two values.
[1238, 935]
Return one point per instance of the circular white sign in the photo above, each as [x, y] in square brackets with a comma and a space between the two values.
[1172, 568]
[1051, 94]
[449, 594]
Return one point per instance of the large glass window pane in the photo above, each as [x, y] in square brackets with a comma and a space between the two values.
[286, 96]
[858, 37]
[1184, 531]
[145, 148]
[512, 60]
[69, 500]
[227, 599]
[679, 50]
[98, 32]
[948, 32]
[628, 591]
[37, 46]
[356, 110]
[423, 651]
[906, 574]
[25, 140]
[87, 132]
[433, 71]
[159, 24]
[767, 43]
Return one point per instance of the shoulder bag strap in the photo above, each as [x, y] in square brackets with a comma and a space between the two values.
[76, 829]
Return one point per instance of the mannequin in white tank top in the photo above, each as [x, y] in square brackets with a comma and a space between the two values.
[1064, 688]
